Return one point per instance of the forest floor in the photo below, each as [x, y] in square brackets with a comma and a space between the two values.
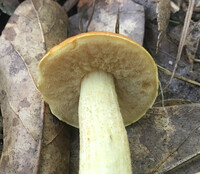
[181, 90]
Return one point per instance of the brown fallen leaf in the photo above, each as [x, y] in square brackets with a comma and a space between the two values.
[34, 141]
[159, 142]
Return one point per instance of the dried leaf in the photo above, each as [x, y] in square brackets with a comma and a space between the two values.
[8, 6]
[192, 40]
[163, 12]
[33, 29]
[82, 12]
[68, 5]
[131, 18]
[164, 137]
[55, 149]
[166, 58]
[183, 38]
[84, 3]
[160, 142]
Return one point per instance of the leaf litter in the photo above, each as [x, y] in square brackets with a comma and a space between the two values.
[183, 37]
[155, 163]
[172, 110]
[31, 134]
[192, 42]
[163, 11]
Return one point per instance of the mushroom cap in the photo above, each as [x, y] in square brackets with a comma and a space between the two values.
[64, 66]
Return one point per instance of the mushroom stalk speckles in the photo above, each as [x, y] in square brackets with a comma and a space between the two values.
[104, 146]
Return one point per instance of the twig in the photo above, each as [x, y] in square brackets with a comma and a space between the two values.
[183, 37]
[177, 76]
[83, 11]
[183, 163]
[163, 99]
[90, 18]
[117, 22]
[196, 60]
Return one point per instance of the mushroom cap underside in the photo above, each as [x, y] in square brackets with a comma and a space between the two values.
[64, 66]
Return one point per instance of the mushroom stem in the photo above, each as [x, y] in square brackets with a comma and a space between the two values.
[104, 146]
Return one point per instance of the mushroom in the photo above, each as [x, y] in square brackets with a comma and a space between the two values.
[99, 82]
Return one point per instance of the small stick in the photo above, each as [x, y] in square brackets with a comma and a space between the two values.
[183, 37]
[177, 76]
[117, 22]
[163, 99]
[91, 16]
[81, 19]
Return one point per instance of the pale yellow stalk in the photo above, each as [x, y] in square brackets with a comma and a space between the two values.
[104, 147]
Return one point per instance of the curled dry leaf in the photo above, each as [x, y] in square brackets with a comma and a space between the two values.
[32, 136]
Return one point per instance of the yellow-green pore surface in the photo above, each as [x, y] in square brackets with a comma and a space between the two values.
[64, 66]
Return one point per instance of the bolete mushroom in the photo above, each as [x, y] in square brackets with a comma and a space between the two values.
[99, 82]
